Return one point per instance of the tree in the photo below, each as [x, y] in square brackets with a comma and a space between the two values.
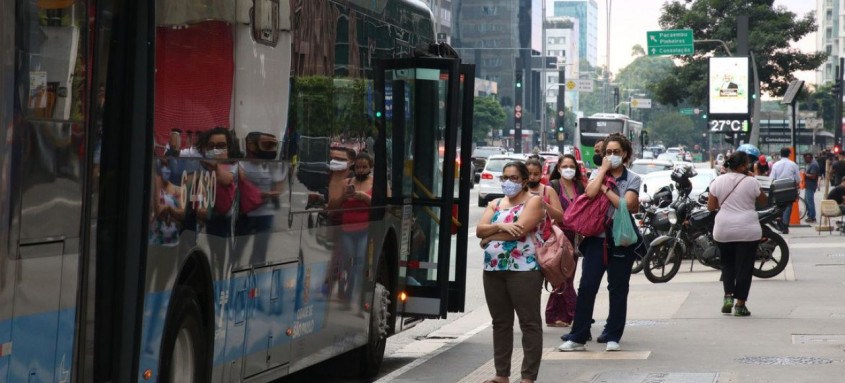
[487, 115]
[642, 73]
[821, 100]
[673, 129]
[771, 29]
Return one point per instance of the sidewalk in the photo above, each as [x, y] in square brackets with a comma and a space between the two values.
[676, 333]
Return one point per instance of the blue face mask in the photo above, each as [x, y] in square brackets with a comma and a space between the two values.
[510, 188]
[165, 173]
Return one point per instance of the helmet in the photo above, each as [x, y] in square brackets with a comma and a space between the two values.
[681, 176]
[750, 150]
[763, 160]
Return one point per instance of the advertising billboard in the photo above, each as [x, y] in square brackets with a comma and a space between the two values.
[728, 87]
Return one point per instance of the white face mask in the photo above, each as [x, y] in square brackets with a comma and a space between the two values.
[615, 161]
[567, 173]
[216, 153]
[337, 166]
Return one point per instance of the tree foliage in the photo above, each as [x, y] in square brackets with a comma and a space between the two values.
[488, 114]
[673, 129]
[821, 100]
[771, 29]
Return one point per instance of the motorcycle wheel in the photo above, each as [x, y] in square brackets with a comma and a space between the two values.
[638, 261]
[772, 255]
[661, 264]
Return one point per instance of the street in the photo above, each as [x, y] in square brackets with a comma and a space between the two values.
[675, 332]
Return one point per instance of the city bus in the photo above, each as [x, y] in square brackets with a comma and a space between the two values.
[600, 125]
[178, 200]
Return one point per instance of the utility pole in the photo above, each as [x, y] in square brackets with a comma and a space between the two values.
[837, 106]
[561, 108]
[543, 118]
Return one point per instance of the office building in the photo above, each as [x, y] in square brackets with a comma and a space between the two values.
[587, 14]
[829, 37]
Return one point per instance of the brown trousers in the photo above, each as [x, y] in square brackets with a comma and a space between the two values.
[508, 292]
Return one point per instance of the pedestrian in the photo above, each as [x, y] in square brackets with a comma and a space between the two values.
[601, 255]
[838, 168]
[736, 230]
[811, 184]
[761, 167]
[838, 195]
[822, 160]
[568, 181]
[786, 168]
[512, 280]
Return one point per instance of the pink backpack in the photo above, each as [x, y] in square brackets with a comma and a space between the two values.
[556, 258]
[586, 216]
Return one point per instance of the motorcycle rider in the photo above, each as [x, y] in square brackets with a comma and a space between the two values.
[737, 229]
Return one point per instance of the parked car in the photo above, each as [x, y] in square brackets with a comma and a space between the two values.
[489, 185]
[645, 166]
[479, 158]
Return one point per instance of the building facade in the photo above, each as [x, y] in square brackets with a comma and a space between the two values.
[587, 14]
[830, 36]
[442, 12]
[562, 42]
[495, 36]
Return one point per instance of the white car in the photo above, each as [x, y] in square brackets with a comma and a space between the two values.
[644, 166]
[489, 185]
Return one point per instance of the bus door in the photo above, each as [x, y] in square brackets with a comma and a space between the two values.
[419, 102]
[42, 114]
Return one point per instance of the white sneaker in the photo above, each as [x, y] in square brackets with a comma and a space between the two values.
[571, 346]
[612, 346]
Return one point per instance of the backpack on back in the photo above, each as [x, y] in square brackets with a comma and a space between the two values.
[556, 258]
[588, 217]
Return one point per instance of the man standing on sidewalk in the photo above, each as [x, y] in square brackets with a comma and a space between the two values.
[785, 168]
[811, 183]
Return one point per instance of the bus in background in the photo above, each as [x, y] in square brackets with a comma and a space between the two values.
[600, 125]
[225, 191]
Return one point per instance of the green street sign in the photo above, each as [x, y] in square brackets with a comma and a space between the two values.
[687, 111]
[670, 42]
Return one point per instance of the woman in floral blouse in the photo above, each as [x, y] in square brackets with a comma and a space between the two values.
[510, 231]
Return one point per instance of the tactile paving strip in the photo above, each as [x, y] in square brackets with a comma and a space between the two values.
[823, 339]
[784, 360]
[656, 377]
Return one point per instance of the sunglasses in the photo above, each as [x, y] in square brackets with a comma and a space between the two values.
[614, 152]
[217, 145]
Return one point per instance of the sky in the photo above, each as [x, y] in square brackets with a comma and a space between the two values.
[631, 19]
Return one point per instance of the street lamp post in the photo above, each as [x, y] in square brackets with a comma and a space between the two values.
[608, 4]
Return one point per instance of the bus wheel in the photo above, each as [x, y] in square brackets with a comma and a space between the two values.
[185, 345]
[371, 355]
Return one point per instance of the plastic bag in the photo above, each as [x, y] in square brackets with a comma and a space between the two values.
[624, 233]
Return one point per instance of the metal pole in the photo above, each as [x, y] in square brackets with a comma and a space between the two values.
[794, 131]
[837, 106]
[544, 124]
[609, 3]
[754, 137]
[561, 106]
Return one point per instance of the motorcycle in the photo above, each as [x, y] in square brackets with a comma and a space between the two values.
[691, 234]
[651, 219]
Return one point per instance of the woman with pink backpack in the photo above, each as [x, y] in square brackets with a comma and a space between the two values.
[568, 182]
[613, 182]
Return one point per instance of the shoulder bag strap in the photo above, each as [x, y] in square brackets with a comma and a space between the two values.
[732, 190]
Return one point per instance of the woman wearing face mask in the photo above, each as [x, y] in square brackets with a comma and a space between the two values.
[355, 218]
[550, 199]
[568, 182]
[512, 280]
[215, 146]
[736, 229]
[601, 255]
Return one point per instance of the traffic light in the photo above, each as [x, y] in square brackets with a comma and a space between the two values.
[837, 87]
[518, 79]
[837, 148]
[704, 116]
